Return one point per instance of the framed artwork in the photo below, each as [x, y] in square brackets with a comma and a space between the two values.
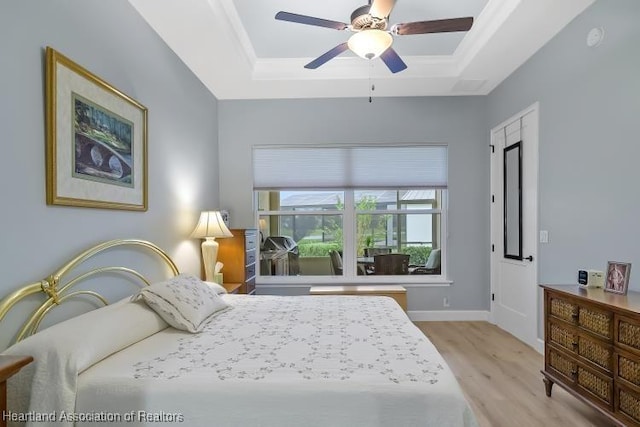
[96, 140]
[617, 277]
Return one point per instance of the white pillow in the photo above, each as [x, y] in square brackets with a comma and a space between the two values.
[216, 288]
[185, 302]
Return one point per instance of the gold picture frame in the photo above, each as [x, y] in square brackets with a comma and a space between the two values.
[96, 140]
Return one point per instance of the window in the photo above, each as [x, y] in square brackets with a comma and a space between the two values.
[300, 229]
[405, 221]
[335, 219]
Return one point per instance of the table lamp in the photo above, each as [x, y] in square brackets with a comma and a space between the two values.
[210, 225]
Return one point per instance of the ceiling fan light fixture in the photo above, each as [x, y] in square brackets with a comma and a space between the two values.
[370, 44]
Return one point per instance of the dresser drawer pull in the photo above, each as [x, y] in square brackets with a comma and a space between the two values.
[574, 344]
[575, 315]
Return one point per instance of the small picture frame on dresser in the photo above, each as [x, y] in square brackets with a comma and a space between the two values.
[617, 277]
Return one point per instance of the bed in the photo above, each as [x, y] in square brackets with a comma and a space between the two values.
[260, 361]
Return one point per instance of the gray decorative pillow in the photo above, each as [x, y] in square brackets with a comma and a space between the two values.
[185, 302]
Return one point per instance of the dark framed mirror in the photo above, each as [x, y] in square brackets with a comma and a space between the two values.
[513, 201]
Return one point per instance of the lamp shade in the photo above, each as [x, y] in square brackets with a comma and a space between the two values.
[370, 44]
[210, 224]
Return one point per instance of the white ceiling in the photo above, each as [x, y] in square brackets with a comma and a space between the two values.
[239, 51]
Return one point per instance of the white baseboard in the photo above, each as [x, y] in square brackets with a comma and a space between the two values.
[540, 346]
[448, 315]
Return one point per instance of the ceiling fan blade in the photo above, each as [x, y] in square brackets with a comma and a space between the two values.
[438, 26]
[381, 8]
[392, 60]
[310, 20]
[327, 56]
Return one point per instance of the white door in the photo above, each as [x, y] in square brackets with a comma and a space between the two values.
[514, 272]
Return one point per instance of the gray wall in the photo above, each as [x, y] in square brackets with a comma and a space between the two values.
[459, 122]
[589, 148]
[110, 39]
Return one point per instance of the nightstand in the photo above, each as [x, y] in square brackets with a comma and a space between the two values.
[9, 366]
[232, 288]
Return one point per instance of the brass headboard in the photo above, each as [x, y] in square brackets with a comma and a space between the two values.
[58, 290]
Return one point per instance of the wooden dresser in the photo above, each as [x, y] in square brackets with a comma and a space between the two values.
[238, 253]
[592, 348]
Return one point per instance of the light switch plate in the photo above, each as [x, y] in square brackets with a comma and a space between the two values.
[544, 236]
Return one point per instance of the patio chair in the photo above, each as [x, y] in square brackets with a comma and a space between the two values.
[336, 263]
[432, 266]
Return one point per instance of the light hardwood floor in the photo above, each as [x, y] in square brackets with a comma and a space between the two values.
[500, 376]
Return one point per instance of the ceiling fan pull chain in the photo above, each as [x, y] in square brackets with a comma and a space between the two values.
[372, 87]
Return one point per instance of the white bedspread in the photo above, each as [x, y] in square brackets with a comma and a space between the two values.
[281, 361]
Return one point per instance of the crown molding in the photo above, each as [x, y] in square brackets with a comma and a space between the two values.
[208, 36]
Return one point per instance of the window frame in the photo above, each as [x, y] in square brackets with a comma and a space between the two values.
[349, 221]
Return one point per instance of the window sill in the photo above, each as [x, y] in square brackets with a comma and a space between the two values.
[410, 281]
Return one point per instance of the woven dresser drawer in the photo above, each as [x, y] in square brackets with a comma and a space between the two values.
[628, 333]
[596, 321]
[563, 336]
[597, 352]
[627, 368]
[598, 385]
[561, 364]
[563, 309]
[627, 405]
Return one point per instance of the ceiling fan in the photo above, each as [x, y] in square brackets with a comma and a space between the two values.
[372, 36]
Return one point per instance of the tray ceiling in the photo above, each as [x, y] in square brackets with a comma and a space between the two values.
[239, 51]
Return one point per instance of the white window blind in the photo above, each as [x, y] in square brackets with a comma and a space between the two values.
[403, 166]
